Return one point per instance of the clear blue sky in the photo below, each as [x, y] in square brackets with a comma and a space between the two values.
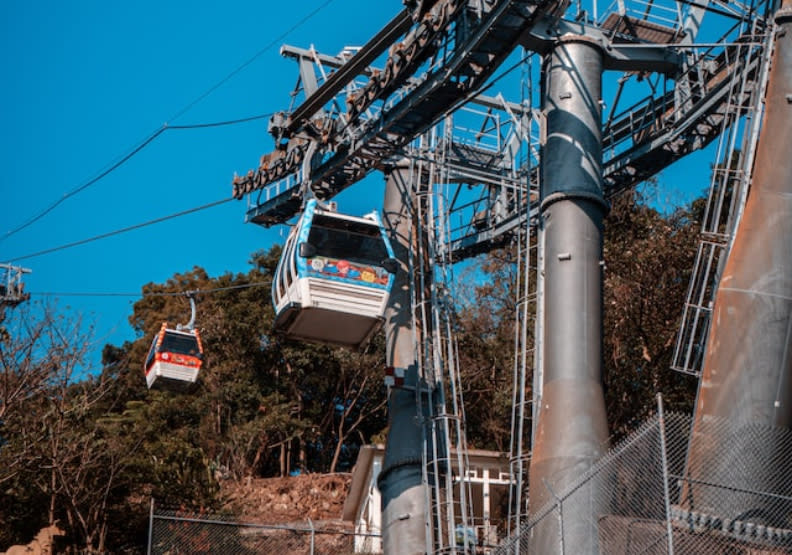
[85, 81]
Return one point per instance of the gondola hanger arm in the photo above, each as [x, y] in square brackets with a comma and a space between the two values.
[191, 324]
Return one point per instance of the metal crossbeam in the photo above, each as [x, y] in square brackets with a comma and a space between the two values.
[639, 142]
[354, 152]
[348, 71]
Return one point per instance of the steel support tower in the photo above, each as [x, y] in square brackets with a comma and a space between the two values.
[436, 57]
[747, 371]
[571, 428]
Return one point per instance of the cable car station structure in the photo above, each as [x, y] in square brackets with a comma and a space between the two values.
[12, 288]
[600, 99]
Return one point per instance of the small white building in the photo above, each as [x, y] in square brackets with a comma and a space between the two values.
[487, 478]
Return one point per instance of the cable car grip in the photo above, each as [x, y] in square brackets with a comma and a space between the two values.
[190, 326]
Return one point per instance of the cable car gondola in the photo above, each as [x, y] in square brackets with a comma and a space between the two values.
[334, 278]
[175, 356]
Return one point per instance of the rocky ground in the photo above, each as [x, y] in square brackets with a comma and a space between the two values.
[42, 544]
[295, 499]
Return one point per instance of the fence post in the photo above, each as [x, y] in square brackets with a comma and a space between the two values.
[151, 527]
[664, 462]
[313, 535]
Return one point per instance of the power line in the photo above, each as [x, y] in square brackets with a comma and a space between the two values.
[154, 135]
[124, 230]
[150, 294]
[165, 126]
[85, 185]
[143, 144]
[252, 59]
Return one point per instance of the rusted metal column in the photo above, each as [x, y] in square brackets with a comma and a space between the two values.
[404, 510]
[571, 430]
[747, 375]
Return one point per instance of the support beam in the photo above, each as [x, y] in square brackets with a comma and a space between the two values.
[404, 496]
[618, 56]
[747, 376]
[347, 72]
[571, 429]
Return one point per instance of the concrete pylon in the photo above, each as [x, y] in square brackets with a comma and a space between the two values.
[571, 429]
[405, 526]
[745, 392]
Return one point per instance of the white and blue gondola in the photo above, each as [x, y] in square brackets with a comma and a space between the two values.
[334, 278]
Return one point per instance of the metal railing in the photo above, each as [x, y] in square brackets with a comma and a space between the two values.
[728, 190]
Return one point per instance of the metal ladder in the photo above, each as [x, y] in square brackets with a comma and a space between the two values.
[525, 344]
[445, 453]
[731, 178]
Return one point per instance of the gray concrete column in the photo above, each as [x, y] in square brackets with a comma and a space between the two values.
[571, 430]
[404, 510]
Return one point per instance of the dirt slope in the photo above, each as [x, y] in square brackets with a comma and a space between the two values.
[295, 499]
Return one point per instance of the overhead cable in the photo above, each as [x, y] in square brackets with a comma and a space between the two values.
[140, 146]
[145, 142]
[277, 40]
[124, 229]
[150, 294]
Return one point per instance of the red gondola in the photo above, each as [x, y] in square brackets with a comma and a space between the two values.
[175, 357]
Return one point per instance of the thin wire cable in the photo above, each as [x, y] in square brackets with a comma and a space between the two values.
[488, 85]
[219, 123]
[150, 294]
[125, 229]
[143, 144]
[252, 59]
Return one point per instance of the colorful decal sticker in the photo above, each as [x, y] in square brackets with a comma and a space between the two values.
[330, 267]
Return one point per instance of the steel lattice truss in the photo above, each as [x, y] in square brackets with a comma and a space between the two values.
[675, 69]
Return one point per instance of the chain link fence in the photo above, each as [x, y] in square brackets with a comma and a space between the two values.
[729, 492]
[177, 533]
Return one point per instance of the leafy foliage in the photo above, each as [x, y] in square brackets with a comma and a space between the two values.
[649, 259]
[90, 449]
[91, 453]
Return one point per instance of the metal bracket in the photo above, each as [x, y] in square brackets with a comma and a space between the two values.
[190, 326]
